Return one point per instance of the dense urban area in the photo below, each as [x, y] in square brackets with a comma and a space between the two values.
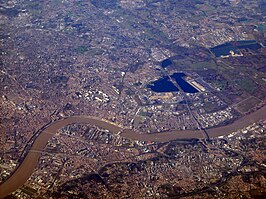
[174, 93]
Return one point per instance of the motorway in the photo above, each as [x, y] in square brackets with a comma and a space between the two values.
[27, 166]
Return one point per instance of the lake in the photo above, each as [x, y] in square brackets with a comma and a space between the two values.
[185, 86]
[224, 50]
[166, 62]
[165, 85]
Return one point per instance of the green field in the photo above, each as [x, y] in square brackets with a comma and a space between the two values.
[246, 84]
[203, 65]
[247, 104]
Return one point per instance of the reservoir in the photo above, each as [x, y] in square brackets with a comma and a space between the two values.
[166, 62]
[224, 50]
[163, 85]
[255, 46]
[186, 87]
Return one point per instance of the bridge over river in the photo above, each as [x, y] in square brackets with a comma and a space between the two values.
[27, 166]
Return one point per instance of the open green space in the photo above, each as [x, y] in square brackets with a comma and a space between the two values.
[210, 107]
[247, 84]
[203, 65]
[247, 104]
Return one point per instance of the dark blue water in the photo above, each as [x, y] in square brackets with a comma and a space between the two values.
[245, 42]
[224, 49]
[166, 62]
[255, 46]
[163, 85]
[186, 87]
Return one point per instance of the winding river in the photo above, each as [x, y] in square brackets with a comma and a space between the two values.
[27, 166]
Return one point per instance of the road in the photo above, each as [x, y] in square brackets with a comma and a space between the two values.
[27, 166]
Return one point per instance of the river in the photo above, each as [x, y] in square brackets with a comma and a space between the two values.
[26, 168]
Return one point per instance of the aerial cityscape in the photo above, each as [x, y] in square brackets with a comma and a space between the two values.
[133, 99]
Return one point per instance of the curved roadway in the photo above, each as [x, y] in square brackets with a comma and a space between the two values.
[26, 168]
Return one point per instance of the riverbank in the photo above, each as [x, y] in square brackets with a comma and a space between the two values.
[26, 168]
